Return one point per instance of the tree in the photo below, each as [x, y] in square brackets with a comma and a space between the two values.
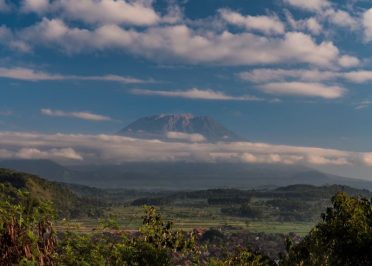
[26, 233]
[344, 237]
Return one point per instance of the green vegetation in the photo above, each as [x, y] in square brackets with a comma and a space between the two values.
[28, 238]
[29, 235]
[66, 203]
[343, 237]
[26, 233]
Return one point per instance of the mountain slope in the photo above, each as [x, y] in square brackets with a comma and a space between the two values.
[158, 126]
[63, 199]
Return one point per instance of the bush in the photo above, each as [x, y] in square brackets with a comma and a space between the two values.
[26, 233]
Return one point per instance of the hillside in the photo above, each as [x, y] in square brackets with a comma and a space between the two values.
[64, 200]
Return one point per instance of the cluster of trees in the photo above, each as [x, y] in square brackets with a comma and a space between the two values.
[65, 202]
[343, 237]
[246, 209]
[151, 201]
[28, 237]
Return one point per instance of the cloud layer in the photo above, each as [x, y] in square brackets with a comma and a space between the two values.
[179, 42]
[117, 149]
[104, 25]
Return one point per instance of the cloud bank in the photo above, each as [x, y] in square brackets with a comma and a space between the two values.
[100, 149]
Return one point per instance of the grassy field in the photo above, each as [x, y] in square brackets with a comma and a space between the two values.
[188, 218]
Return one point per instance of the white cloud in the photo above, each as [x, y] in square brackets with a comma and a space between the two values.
[319, 160]
[303, 89]
[324, 12]
[116, 149]
[340, 18]
[195, 94]
[313, 26]
[367, 158]
[311, 5]
[185, 136]
[97, 11]
[20, 46]
[109, 11]
[360, 76]
[367, 24]
[37, 6]
[32, 153]
[310, 24]
[27, 74]
[363, 104]
[262, 75]
[180, 43]
[35, 75]
[4, 6]
[265, 24]
[271, 158]
[79, 115]
[348, 61]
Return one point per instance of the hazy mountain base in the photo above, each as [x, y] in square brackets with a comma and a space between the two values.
[181, 176]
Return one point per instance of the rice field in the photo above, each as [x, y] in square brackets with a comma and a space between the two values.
[188, 218]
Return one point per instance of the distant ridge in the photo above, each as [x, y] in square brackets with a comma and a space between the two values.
[182, 175]
[159, 126]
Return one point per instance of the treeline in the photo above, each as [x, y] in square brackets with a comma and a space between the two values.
[28, 237]
[296, 192]
[302, 203]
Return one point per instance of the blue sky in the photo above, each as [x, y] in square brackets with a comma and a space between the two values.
[291, 72]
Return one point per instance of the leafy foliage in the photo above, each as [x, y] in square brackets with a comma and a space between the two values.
[66, 203]
[26, 233]
[249, 258]
[157, 244]
[27, 237]
[344, 237]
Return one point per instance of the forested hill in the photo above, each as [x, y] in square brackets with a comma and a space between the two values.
[67, 203]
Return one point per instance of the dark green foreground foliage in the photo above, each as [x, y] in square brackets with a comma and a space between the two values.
[344, 237]
[27, 237]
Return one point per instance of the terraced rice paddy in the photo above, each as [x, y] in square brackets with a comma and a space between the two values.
[188, 218]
